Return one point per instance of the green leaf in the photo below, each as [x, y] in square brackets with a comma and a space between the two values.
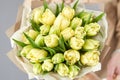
[41, 60]
[61, 43]
[98, 17]
[56, 68]
[75, 5]
[57, 10]
[35, 26]
[77, 67]
[58, 49]
[22, 44]
[50, 50]
[80, 14]
[31, 41]
[101, 34]
[80, 64]
[45, 72]
[83, 22]
[45, 5]
[62, 5]
[67, 44]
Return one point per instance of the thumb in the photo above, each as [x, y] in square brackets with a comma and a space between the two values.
[118, 77]
[110, 72]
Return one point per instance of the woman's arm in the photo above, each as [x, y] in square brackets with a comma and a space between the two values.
[83, 1]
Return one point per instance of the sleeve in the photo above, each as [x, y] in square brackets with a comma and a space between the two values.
[118, 26]
[111, 14]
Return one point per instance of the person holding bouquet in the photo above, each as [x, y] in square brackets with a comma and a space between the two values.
[109, 56]
[111, 63]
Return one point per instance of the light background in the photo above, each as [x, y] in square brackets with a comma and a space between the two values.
[8, 12]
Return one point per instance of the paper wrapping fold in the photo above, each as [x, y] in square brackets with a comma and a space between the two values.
[20, 23]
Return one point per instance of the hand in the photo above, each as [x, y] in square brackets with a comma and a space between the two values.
[113, 67]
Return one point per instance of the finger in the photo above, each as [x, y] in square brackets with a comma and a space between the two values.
[118, 77]
[110, 72]
[98, 1]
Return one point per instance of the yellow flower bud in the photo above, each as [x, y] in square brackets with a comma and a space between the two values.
[74, 71]
[68, 12]
[76, 22]
[85, 16]
[48, 17]
[44, 29]
[51, 40]
[62, 22]
[40, 40]
[80, 32]
[55, 29]
[91, 44]
[67, 33]
[90, 58]
[47, 65]
[62, 69]
[35, 54]
[31, 33]
[92, 29]
[37, 14]
[72, 56]
[58, 58]
[37, 69]
[26, 50]
[76, 43]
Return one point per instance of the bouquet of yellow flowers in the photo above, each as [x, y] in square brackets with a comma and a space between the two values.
[60, 41]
